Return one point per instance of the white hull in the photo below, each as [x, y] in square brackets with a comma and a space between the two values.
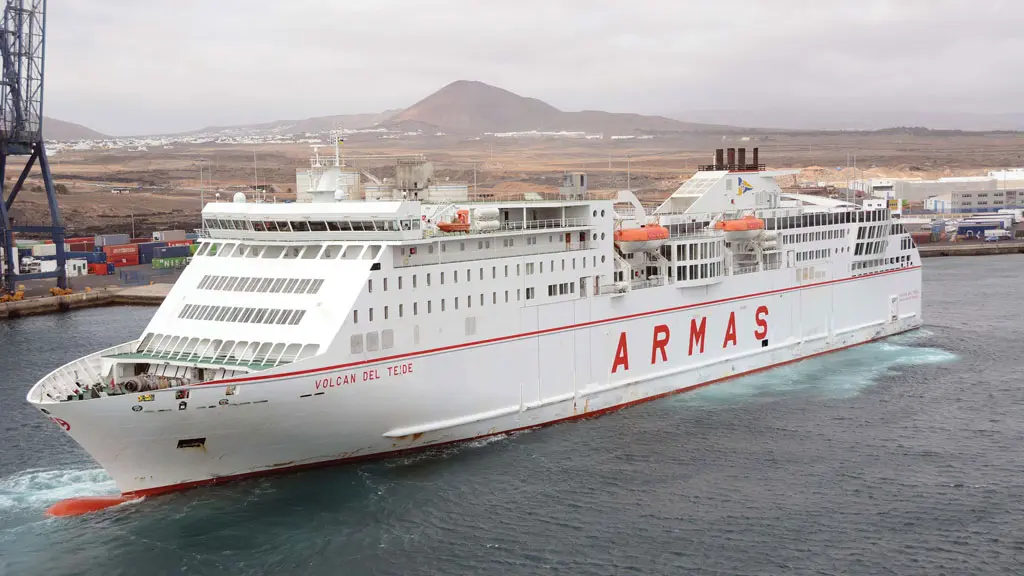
[528, 366]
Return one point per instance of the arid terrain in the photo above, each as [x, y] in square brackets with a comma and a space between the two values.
[167, 188]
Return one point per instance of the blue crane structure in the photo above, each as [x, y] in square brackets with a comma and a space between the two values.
[22, 48]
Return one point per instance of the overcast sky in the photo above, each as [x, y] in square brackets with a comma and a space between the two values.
[131, 66]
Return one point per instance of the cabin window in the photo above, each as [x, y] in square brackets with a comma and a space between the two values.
[372, 341]
[317, 226]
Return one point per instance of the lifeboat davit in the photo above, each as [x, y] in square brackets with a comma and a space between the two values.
[642, 239]
[741, 228]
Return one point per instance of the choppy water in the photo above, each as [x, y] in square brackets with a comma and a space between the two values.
[899, 457]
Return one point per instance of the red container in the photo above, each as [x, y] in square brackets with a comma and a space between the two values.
[98, 269]
[80, 239]
[81, 246]
[179, 243]
[141, 240]
[121, 250]
[123, 260]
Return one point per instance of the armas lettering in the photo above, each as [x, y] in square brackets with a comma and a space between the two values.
[698, 336]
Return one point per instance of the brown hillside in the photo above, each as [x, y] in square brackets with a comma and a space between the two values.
[60, 130]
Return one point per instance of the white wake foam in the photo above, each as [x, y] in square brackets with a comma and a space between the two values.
[39, 488]
[841, 374]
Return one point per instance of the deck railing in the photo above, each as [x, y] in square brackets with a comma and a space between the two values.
[69, 378]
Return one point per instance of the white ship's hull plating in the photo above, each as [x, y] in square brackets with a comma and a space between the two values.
[550, 363]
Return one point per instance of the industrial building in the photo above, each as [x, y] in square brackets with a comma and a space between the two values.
[959, 194]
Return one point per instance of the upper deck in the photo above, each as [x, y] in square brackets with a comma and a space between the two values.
[394, 221]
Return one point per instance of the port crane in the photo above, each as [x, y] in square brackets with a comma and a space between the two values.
[22, 48]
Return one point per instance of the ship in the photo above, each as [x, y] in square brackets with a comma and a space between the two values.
[340, 329]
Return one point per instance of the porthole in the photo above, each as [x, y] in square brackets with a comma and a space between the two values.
[595, 236]
[602, 259]
[602, 235]
[595, 213]
[602, 213]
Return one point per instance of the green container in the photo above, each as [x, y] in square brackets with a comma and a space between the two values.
[192, 248]
[165, 263]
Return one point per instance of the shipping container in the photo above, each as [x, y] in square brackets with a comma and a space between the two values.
[175, 262]
[98, 269]
[192, 249]
[110, 268]
[165, 235]
[146, 251]
[171, 252]
[122, 250]
[191, 236]
[123, 260]
[112, 239]
[179, 242]
[44, 250]
[90, 257]
[81, 246]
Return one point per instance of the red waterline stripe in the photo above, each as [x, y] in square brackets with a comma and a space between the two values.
[545, 331]
[395, 453]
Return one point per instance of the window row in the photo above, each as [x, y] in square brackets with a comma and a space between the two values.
[836, 234]
[373, 341]
[869, 232]
[697, 271]
[813, 255]
[399, 310]
[825, 219]
[881, 262]
[374, 225]
[272, 285]
[200, 350]
[290, 252]
[865, 248]
[241, 315]
[694, 251]
[561, 289]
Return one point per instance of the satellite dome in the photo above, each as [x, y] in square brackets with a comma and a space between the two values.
[238, 198]
[339, 195]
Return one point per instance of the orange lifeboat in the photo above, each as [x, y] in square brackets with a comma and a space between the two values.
[458, 224]
[641, 239]
[745, 224]
[741, 228]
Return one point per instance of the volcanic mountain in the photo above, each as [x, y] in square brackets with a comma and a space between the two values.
[469, 107]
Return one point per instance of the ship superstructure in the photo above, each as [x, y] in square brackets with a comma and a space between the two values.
[341, 329]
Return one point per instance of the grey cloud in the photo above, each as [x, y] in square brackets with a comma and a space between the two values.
[125, 67]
